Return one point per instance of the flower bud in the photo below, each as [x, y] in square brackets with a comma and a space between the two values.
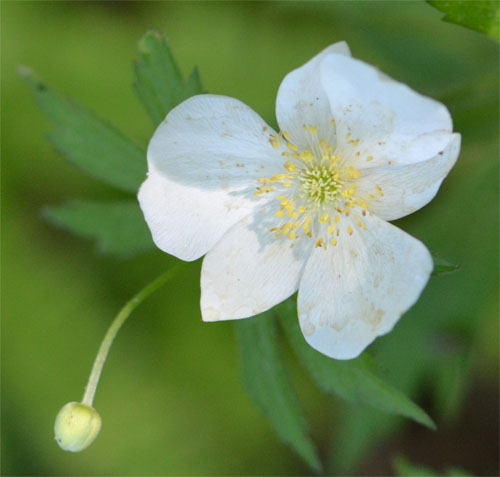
[76, 427]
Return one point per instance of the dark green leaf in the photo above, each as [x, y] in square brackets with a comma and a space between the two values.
[266, 381]
[354, 380]
[88, 141]
[443, 266]
[158, 81]
[457, 472]
[405, 468]
[479, 15]
[118, 228]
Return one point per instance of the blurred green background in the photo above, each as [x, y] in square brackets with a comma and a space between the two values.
[171, 397]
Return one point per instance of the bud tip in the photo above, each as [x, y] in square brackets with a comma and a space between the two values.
[76, 426]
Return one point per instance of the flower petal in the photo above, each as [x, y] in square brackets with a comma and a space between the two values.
[186, 221]
[406, 188]
[379, 119]
[214, 142]
[358, 290]
[302, 101]
[250, 270]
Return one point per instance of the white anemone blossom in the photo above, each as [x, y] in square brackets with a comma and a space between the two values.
[307, 208]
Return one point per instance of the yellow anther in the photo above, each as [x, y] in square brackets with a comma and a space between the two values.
[291, 146]
[370, 196]
[313, 130]
[286, 135]
[332, 122]
[323, 218]
[307, 156]
[301, 209]
[354, 142]
[292, 235]
[289, 166]
[369, 158]
[337, 219]
[287, 184]
[334, 241]
[280, 213]
[352, 173]
[331, 229]
[274, 143]
[280, 197]
[318, 242]
[349, 230]
[348, 135]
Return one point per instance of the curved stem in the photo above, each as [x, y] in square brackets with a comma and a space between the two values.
[124, 313]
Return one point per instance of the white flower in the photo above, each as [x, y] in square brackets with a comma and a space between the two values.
[304, 209]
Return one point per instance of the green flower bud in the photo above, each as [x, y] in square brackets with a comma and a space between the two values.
[76, 427]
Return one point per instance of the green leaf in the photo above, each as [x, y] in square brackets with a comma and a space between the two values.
[353, 380]
[88, 141]
[457, 472]
[117, 228]
[267, 382]
[405, 468]
[158, 81]
[479, 15]
[442, 266]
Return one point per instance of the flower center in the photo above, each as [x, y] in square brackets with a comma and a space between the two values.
[321, 183]
[316, 189]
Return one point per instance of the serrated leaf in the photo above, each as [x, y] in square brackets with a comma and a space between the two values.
[158, 81]
[87, 141]
[442, 266]
[353, 380]
[267, 382]
[117, 227]
[479, 15]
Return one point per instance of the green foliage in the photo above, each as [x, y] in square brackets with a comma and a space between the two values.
[479, 15]
[354, 380]
[118, 227]
[88, 141]
[405, 468]
[267, 382]
[158, 81]
[442, 266]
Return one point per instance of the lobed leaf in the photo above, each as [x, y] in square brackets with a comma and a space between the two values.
[479, 15]
[267, 382]
[353, 380]
[87, 141]
[159, 84]
[117, 227]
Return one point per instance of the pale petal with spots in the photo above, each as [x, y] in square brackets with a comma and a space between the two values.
[214, 142]
[186, 221]
[381, 121]
[358, 290]
[250, 270]
[396, 191]
[302, 100]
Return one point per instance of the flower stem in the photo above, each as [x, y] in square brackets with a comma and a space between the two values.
[124, 313]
